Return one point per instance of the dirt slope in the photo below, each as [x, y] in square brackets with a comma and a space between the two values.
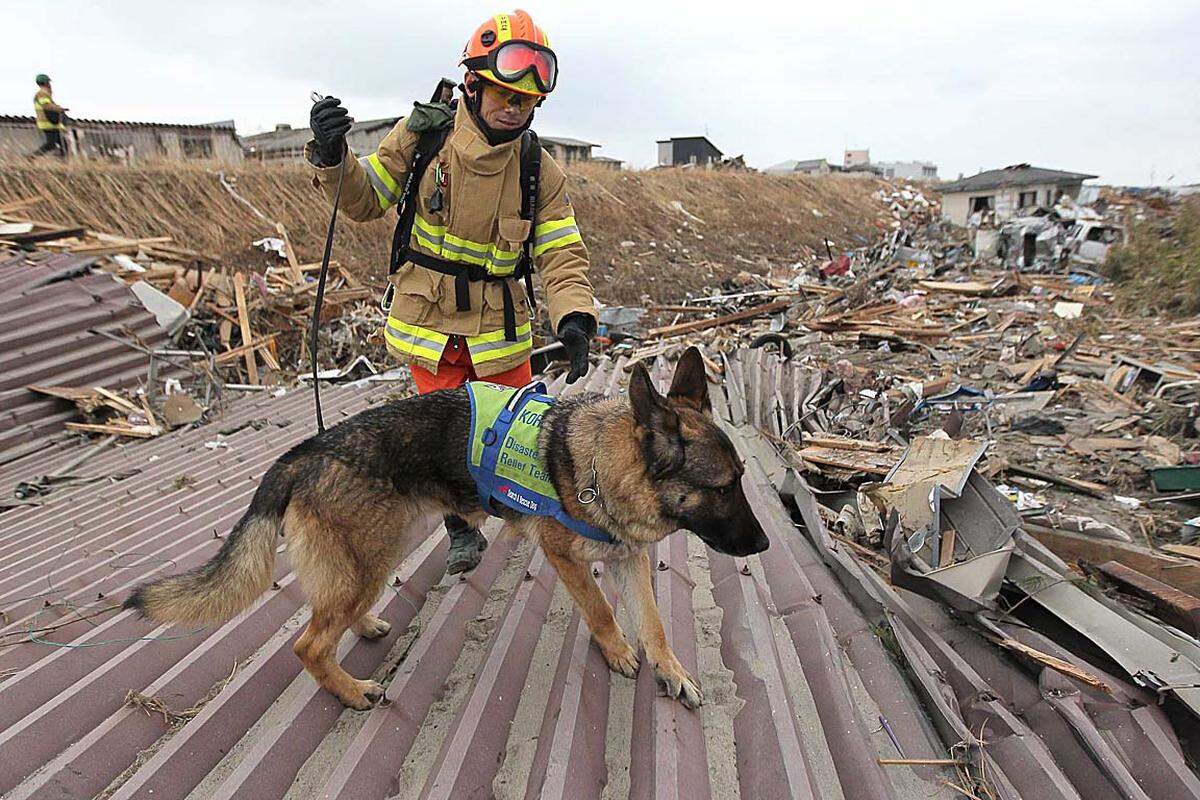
[660, 233]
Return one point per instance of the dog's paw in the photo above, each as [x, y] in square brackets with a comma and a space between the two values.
[678, 683]
[623, 660]
[372, 627]
[367, 695]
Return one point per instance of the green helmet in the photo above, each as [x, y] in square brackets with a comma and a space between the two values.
[42, 79]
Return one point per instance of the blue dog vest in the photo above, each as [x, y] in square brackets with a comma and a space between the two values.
[503, 456]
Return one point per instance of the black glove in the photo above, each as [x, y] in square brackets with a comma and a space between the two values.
[329, 122]
[575, 332]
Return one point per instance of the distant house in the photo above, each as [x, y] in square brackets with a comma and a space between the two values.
[683, 150]
[812, 166]
[1008, 192]
[856, 158]
[606, 161]
[566, 150]
[909, 170]
[286, 142]
[127, 142]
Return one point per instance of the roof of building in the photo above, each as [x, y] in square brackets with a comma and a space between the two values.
[225, 126]
[689, 139]
[567, 141]
[795, 165]
[49, 307]
[1014, 175]
[494, 681]
[608, 159]
[290, 138]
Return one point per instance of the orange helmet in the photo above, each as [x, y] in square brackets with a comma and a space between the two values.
[510, 51]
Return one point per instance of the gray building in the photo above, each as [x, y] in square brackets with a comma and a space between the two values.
[909, 170]
[566, 150]
[127, 142]
[683, 150]
[287, 143]
[1008, 192]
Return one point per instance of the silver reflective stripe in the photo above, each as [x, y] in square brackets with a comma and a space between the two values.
[445, 246]
[416, 340]
[497, 345]
[558, 234]
[377, 182]
[427, 239]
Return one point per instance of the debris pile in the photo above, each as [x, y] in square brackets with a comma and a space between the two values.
[225, 328]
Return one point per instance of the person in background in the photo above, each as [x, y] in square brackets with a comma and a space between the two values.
[49, 116]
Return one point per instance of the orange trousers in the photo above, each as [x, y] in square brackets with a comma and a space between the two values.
[456, 368]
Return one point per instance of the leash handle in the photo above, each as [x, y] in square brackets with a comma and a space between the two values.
[316, 319]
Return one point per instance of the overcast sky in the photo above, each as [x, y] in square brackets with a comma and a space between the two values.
[1110, 88]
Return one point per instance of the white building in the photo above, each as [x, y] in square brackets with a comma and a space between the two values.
[909, 170]
[1008, 192]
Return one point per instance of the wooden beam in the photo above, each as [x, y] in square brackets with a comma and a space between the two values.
[1182, 573]
[704, 324]
[243, 315]
[290, 252]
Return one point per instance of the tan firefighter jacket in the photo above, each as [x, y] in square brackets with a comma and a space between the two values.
[479, 223]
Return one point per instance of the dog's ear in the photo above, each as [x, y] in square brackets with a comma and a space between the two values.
[689, 387]
[650, 408]
[661, 445]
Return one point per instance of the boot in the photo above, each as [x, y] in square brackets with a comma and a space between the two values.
[466, 545]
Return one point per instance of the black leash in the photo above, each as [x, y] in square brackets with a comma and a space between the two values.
[316, 320]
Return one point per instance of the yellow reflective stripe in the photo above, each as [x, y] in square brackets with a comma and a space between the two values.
[435, 231]
[495, 336]
[386, 188]
[415, 340]
[549, 226]
[568, 237]
[493, 346]
[503, 28]
[555, 233]
[454, 248]
[44, 100]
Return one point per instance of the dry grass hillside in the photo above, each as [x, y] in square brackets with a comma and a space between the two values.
[657, 234]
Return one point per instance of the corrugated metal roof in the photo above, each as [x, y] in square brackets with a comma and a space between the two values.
[495, 688]
[48, 306]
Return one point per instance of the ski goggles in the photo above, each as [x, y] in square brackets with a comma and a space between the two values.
[512, 61]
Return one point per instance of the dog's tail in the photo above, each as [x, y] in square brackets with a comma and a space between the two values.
[239, 572]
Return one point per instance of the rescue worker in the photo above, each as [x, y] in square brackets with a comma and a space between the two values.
[459, 310]
[49, 116]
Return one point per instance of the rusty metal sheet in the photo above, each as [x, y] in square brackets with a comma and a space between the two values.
[48, 306]
[269, 731]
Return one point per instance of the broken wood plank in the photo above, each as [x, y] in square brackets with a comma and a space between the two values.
[1182, 573]
[243, 317]
[136, 431]
[1053, 662]
[827, 458]
[34, 237]
[232, 355]
[290, 253]
[1185, 550]
[704, 324]
[1085, 487]
[1166, 602]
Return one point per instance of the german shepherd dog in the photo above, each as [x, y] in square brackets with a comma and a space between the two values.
[348, 499]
